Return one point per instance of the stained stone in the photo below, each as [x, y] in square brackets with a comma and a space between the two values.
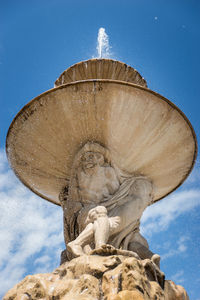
[94, 278]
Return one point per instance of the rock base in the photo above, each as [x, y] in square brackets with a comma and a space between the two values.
[95, 277]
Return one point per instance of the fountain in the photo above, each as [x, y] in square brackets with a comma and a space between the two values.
[104, 147]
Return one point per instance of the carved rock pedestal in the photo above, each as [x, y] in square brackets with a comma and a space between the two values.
[95, 277]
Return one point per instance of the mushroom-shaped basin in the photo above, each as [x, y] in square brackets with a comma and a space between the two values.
[145, 133]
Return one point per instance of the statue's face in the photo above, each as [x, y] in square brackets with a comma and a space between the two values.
[91, 159]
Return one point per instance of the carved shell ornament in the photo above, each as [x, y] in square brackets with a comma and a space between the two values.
[105, 102]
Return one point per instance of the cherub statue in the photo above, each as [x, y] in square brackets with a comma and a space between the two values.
[103, 205]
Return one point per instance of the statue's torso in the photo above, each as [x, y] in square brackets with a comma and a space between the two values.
[96, 187]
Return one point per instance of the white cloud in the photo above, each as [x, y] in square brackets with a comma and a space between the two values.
[178, 277]
[159, 216]
[177, 249]
[42, 260]
[29, 227]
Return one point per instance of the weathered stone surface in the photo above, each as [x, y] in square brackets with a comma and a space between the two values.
[95, 277]
[127, 295]
[100, 69]
[173, 291]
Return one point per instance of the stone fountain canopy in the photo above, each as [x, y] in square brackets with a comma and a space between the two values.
[107, 102]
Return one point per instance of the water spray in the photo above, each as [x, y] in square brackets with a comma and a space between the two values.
[103, 47]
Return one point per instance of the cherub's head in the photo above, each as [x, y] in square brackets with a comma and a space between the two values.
[97, 212]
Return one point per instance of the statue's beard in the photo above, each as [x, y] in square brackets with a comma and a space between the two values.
[90, 165]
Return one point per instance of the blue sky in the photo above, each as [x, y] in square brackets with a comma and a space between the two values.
[38, 40]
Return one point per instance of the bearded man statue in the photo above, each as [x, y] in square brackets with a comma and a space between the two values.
[103, 205]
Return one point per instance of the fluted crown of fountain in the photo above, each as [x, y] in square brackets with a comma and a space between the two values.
[101, 69]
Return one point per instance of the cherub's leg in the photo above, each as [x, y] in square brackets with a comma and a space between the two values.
[76, 246]
[99, 216]
[101, 231]
[97, 230]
